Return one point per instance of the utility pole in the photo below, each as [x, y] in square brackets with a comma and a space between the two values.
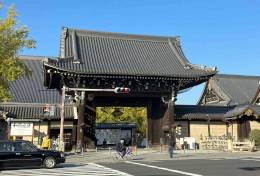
[62, 147]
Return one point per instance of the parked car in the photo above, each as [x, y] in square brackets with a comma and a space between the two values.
[24, 153]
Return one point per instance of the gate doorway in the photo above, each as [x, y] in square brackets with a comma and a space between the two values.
[67, 137]
[121, 123]
[243, 129]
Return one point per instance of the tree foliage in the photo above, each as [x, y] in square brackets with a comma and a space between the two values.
[12, 41]
[255, 134]
[137, 115]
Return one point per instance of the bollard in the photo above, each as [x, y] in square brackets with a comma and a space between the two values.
[96, 149]
[82, 152]
[135, 150]
[148, 148]
[196, 147]
[109, 151]
[161, 149]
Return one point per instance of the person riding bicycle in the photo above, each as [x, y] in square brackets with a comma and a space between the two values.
[121, 148]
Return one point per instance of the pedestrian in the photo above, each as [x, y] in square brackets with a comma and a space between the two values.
[105, 142]
[54, 143]
[171, 144]
[46, 144]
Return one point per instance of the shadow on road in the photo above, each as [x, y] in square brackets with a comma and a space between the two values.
[41, 167]
[250, 168]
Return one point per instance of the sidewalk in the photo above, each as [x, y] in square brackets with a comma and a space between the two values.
[104, 156]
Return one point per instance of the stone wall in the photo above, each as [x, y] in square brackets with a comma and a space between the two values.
[255, 125]
[218, 128]
[197, 128]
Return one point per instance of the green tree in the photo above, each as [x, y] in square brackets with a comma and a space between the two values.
[137, 115]
[12, 41]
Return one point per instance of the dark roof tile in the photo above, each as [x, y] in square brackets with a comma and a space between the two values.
[32, 90]
[97, 52]
[240, 89]
[34, 111]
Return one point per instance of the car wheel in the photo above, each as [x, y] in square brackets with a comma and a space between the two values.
[49, 162]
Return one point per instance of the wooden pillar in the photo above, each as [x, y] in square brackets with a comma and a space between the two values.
[90, 121]
[74, 135]
[149, 132]
[227, 128]
[189, 128]
[208, 127]
[49, 128]
[81, 113]
[62, 146]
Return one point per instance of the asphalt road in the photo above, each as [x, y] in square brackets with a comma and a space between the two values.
[209, 167]
[150, 163]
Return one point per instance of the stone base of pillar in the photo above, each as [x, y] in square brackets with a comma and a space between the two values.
[252, 145]
[149, 144]
[73, 150]
[230, 145]
[201, 148]
[92, 145]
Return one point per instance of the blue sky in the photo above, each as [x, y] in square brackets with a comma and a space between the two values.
[220, 33]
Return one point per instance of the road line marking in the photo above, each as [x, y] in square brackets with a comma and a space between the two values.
[107, 168]
[162, 168]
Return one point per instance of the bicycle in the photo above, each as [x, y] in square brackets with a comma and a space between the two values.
[118, 155]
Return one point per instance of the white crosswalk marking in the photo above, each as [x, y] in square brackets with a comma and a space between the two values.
[65, 170]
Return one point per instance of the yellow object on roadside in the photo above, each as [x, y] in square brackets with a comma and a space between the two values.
[46, 143]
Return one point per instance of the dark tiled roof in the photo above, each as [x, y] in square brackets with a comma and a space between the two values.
[235, 89]
[212, 112]
[116, 125]
[32, 90]
[34, 111]
[241, 109]
[200, 112]
[93, 52]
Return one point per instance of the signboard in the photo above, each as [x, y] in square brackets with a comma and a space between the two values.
[46, 110]
[190, 141]
[21, 128]
[112, 136]
[52, 110]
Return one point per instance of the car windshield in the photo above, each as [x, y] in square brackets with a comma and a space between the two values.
[35, 146]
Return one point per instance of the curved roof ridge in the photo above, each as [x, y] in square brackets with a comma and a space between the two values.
[202, 67]
[30, 57]
[152, 56]
[237, 76]
[120, 35]
[201, 106]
